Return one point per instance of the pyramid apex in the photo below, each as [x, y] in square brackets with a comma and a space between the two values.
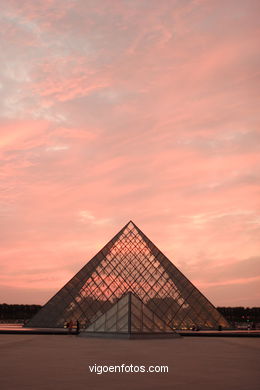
[129, 223]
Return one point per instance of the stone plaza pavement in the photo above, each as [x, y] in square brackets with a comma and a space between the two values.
[49, 362]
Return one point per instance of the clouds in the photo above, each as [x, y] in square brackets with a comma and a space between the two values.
[129, 111]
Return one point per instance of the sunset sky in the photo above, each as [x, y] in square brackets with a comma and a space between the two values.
[114, 110]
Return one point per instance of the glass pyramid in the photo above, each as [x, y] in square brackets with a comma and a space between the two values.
[129, 315]
[130, 262]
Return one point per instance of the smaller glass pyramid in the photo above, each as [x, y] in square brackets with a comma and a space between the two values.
[129, 315]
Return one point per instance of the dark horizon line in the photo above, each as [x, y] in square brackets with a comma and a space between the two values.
[37, 304]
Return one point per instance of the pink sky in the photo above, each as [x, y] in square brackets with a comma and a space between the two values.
[130, 109]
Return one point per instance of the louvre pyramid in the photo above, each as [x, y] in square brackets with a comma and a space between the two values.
[129, 315]
[130, 262]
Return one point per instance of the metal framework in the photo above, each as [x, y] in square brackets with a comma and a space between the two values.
[130, 262]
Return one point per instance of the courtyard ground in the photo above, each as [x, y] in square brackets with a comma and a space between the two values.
[55, 362]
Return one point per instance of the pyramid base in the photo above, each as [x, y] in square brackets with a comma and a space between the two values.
[130, 336]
